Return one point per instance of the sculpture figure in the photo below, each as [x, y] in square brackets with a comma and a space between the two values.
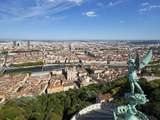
[134, 65]
[129, 112]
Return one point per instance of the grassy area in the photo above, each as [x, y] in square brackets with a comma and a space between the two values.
[22, 51]
[27, 64]
[3, 52]
[32, 50]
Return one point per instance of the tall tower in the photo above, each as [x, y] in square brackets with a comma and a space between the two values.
[14, 43]
[70, 47]
[28, 44]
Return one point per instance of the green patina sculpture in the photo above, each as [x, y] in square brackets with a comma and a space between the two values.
[129, 112]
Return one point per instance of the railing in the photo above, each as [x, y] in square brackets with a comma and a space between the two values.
[88, 109]
[143, 116]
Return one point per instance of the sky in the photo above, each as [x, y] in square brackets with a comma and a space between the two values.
[80, 19]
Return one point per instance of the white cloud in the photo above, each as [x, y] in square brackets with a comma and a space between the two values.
[149, 8]
[90, 14]
[145, 4]
[78, 2]
[143, 10]
[115, 3]
[51, 0]
[19, 9]
[154, 6]
[54, 18]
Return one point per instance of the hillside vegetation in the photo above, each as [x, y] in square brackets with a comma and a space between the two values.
[63, 105]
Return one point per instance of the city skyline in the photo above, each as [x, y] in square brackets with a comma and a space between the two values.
[80, 19]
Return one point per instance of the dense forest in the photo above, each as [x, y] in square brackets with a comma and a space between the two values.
[63, 105]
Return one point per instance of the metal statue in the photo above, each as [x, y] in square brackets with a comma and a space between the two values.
[134, 65]
[129, 112]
